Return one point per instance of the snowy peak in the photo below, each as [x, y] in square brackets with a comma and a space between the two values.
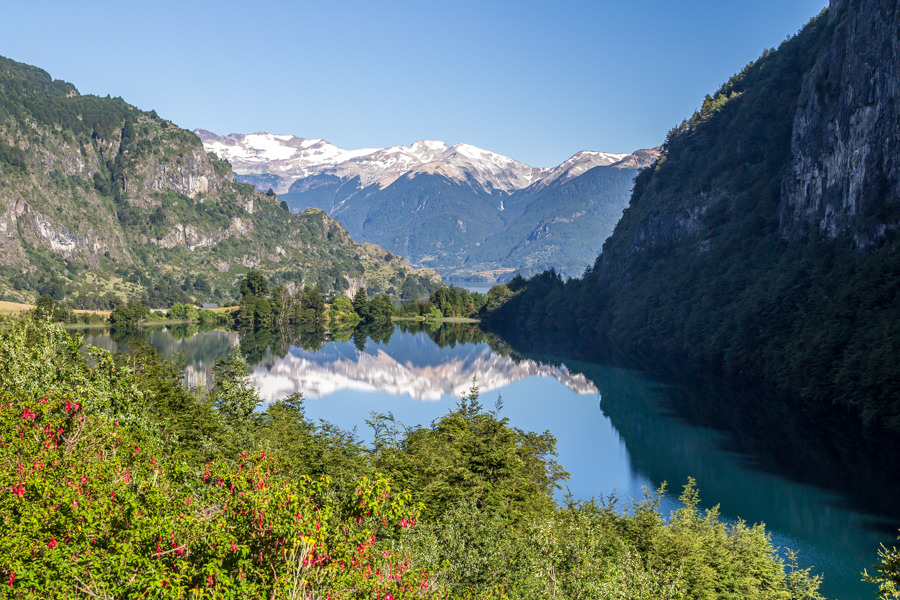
[576, 165]
[287, 156]
[285, 159]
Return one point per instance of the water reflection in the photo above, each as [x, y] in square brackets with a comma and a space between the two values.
[762, 469]
[424, 363]
[199, 347]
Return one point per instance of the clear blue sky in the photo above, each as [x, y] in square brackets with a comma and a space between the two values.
[537, 81]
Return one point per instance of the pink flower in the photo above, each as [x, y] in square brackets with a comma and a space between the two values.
[388, 596]
[12, 577]
[52, 543]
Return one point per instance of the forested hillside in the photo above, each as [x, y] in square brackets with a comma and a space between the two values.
[100, 201]
[762, 245]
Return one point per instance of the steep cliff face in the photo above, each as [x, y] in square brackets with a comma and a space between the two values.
[845, 172]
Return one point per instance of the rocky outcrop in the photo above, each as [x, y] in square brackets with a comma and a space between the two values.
[845, 173]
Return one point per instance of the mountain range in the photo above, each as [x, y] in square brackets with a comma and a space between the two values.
[469, 213]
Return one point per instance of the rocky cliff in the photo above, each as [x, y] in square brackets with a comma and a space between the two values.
[845, 172]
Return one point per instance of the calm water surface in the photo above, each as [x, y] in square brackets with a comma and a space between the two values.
[615, 430]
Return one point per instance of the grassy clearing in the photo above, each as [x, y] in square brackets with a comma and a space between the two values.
[13, 308]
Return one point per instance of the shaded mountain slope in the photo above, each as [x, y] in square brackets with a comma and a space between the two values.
[762, 244]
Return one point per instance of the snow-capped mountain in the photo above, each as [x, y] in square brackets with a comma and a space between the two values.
[288, 158]
[576, 165]
[467, 212]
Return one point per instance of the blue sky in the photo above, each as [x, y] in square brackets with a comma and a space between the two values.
[537, 81]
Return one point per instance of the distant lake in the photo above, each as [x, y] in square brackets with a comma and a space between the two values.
[617, 431]
[473, 286]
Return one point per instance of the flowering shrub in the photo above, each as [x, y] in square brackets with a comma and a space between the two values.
[90, 507]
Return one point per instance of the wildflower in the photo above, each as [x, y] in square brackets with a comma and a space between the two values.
[52, 543]
[12, 577]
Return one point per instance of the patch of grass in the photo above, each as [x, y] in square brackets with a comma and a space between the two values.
[13, 308]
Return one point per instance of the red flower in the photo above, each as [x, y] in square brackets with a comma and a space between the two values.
[52, 543]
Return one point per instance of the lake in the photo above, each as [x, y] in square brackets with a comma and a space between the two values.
[617, 431]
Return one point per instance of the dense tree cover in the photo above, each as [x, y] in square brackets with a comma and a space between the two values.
[449, 301]
[129, 314]
[699, 277]
[116, 480]
[261, 307]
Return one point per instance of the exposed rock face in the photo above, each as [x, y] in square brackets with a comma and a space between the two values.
[194, 176]
[845, 173]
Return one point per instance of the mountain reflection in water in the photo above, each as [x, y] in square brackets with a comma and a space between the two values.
[404, 365]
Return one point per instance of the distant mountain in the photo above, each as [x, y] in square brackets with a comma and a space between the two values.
[468, 213]
[100, 200]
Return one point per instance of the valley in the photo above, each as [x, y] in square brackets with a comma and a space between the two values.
[716, 318]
